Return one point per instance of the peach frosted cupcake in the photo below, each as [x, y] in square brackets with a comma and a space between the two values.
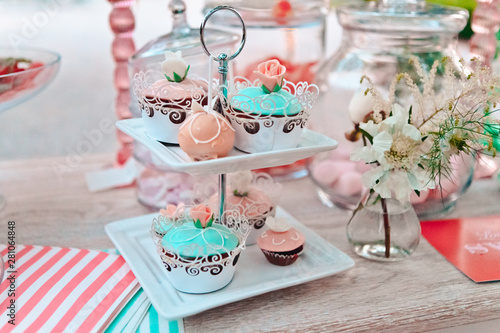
[252, 195]
[281, 244]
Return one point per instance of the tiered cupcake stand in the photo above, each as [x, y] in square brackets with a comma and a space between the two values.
[254, 274]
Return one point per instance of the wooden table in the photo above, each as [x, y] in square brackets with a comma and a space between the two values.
[51, 205]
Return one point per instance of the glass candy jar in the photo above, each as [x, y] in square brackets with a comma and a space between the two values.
[379, 37]
[182, 38]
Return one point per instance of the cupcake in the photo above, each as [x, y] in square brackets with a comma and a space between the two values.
[281, 244]
[200, 256]
[206, 135]
[248, 200]
[167, 217]
[164, 98]
[271, 113]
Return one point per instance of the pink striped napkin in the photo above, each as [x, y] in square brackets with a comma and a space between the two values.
[63, 289]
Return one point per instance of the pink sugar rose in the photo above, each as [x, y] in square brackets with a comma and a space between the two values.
[172, 211]
[202, 216]
[270, 73]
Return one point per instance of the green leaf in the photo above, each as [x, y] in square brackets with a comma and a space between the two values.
[197, 224]
[239, 194]
[168, 78]
[417, 192]
[424, 137]
[265, 89]
[186, 72]
[366, 135]
[210, 221]
[277, 88]
[409, 114]
[177, 77]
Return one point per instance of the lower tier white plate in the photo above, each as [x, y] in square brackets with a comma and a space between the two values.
[254, 274]
[310, 144]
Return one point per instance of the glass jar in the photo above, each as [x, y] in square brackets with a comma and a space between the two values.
[291, 31]
[379, 37]
[442, 199]
[182, 38]
[383, 229]
[158, 185]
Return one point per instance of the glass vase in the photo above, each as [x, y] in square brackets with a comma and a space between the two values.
[383, 229]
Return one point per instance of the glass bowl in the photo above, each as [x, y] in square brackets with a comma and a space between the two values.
[18, 87]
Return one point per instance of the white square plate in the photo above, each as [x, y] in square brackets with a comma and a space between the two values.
[311, 143]
[254, 274]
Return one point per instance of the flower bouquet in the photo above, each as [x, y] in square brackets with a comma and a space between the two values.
[412, 148]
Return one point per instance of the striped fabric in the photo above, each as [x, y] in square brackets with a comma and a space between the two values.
[64, 289]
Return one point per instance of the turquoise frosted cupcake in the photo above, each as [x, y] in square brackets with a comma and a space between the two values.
[270, 113]
[200, 256]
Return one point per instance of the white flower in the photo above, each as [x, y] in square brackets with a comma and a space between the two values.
[360, 105]
[174, 66]
[397, 150]
[241, 182]
[277, 224]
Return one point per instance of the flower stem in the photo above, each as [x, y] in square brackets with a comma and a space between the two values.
[387, 228]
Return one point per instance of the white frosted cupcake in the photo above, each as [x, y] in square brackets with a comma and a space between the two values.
[166, 97]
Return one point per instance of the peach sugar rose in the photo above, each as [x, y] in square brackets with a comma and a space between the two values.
[202, 216]
[270, 73]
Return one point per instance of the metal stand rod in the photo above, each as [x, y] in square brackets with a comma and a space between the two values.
[223, 60]
[223, 69]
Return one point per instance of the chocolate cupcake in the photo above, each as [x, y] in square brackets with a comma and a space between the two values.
[281, 244]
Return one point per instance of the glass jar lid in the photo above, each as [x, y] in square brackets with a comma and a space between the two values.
[396, 16]
[269, 13]
[183, 38]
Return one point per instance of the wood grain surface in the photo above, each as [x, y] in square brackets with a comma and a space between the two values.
[422, 293]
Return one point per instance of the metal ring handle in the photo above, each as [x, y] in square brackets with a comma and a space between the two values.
[202, 33]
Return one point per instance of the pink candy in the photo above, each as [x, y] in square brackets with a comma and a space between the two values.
[349, 184]
[340, 176]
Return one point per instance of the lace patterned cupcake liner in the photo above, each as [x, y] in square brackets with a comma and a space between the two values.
[194, 268]
[165, 105]
[263, 125]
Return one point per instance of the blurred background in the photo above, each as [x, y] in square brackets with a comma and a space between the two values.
[82, 94]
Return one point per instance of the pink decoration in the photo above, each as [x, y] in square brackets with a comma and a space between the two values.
[172, 211]
[122, 23]
[271, 73]
[485, 24]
